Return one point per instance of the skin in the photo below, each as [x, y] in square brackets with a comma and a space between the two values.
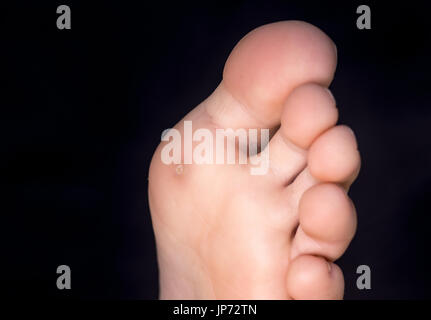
[223, 233]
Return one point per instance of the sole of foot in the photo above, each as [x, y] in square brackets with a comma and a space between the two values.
[223, 233]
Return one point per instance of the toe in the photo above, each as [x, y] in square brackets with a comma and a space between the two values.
[334, 156]
[267, 64]
[327, 222]
[309, 111]
[310, 277]
[326, 213]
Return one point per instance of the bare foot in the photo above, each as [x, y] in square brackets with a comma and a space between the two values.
[224, 233]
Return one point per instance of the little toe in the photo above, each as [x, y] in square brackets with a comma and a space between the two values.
[311, 278]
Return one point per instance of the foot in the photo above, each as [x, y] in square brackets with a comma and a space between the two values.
[224, 233]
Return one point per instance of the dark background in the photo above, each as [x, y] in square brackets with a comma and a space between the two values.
[82, 111]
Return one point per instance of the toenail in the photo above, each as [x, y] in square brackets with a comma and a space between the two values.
[329, 266]
[336, 51]
[331, 95]
[351, 132]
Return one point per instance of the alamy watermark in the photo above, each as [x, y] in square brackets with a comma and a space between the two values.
[64, 278]
[241, 147]
[64, 20]
[364, 20]
[364, 280]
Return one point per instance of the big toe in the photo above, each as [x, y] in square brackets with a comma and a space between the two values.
[267, 64]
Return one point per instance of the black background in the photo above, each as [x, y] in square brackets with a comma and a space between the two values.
[82, 111]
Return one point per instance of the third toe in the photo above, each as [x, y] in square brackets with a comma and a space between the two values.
[334, 156]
